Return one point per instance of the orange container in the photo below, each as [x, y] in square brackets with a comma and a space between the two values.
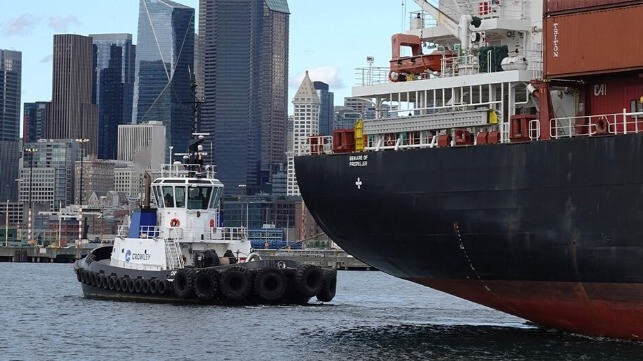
[594, 42]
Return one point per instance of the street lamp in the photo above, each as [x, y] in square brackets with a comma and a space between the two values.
[31, 151]
[80, 195]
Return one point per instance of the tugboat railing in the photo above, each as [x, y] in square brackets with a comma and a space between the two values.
[603, 124]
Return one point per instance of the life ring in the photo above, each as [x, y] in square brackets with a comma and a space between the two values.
[211, 223]
[174, 222]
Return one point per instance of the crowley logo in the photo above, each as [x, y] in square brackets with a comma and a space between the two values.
[128, 255]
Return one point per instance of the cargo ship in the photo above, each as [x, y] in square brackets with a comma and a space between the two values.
[511, 174]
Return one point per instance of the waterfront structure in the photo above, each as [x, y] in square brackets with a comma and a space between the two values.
[245, 91]
[113, 87]
[96, 175]
[72, 115]
[47, 174]
[164, 61]
[34, 119]
[10, 89]
[143, 144]
[345, 117]
[326, 106]
[305, 124]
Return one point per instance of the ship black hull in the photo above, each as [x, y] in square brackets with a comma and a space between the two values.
[550, 231]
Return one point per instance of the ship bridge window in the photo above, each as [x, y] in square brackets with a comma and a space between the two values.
[179, 197]
[199, 197]
[157, 196]
[214, 201]
[168, 196]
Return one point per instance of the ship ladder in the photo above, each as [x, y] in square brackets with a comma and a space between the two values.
[173, 255]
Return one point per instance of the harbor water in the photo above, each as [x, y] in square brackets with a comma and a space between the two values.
[43, 316]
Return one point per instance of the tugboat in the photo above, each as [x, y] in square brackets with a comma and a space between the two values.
[178, 252]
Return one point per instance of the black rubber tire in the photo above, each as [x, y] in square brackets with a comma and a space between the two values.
[93, 277]
[79, 275]
[308, 280]
[84, 276]
[329, 285]
[138, 285]
[236, 283]
[111, 283]
[117, 284]
[154, 286]
[270, 284]
[145, 286]
[130, 285]
[184, 283]
[104, 282]
[206, 284]
[162, 287]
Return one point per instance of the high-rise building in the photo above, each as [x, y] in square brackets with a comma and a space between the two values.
[47, 173]
[305, 124]
[113, 87]
[35, 117]
[244, 57]
[10, 89]
[345, 117]
[326, 105]
[97, 176]
[72, 115]
[143, 144]
[164, 62]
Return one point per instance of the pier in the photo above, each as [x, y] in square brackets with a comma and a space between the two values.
[336, 259]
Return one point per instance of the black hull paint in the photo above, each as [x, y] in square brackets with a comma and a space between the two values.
[568, 211]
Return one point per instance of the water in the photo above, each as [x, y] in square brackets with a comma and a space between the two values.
[43, 316]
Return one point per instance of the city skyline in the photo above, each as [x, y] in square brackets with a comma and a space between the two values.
[330, 53]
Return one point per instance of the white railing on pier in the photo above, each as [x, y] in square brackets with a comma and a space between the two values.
[618, 123]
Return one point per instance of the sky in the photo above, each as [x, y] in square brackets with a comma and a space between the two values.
[330, 38]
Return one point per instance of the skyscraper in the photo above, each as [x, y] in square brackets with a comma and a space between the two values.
[10, 88]
[305, 123]
[35, 117]
[72, 115]
[244, 57]
[113, 87]
[164, 61]
[326, 108]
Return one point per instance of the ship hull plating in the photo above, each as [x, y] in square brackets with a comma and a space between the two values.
[549, 231]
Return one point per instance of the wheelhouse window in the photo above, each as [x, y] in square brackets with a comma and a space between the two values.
[157, 197]
[179, 192]
[168, 196]
[214, 201]
[199, 197]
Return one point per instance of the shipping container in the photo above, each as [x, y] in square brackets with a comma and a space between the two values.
[574, 6]
[594, 42]
[610, 94]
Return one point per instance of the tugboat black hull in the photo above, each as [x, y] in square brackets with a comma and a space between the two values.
[255, 282]
[550, 231]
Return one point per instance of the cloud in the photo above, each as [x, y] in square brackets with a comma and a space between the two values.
[47, 59]
[328, 74]
[21, 25]
[61, 23]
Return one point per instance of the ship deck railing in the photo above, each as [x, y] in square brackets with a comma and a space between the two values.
[617, 123]
[451, 66]
[186, 171]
